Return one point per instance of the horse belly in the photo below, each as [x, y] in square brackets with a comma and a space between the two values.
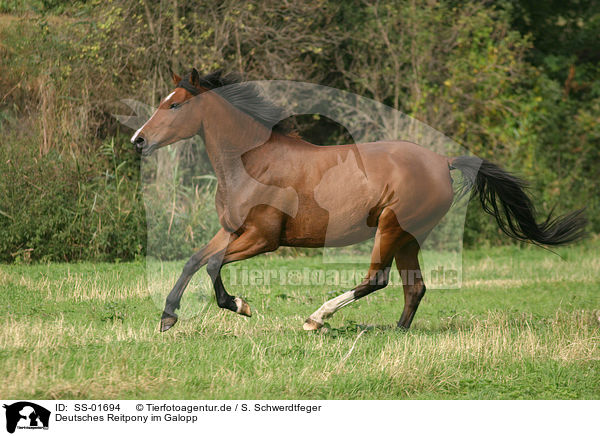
[319, 229]
[336, 216]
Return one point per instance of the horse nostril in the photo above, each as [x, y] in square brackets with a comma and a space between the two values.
[139, 142]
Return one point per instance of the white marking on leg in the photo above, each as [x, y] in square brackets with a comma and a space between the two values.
[238, 302]
[331, 306]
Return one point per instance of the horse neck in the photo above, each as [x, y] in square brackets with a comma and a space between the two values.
[228, 134]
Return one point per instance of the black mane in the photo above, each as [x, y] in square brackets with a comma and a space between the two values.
[247, 97]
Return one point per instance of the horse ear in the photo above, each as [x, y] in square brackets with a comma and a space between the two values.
[176, 79]
[195, 78]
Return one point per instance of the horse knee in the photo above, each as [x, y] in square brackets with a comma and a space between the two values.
[191, 266]
[213, 266]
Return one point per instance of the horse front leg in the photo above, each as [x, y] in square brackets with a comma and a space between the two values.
[248, 244]
[197, 261]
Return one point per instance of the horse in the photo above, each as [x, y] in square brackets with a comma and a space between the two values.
[270, 193]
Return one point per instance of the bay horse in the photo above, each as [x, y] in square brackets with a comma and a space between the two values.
[270, 194]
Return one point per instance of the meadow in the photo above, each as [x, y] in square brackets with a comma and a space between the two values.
[524, 325]
[514, 83]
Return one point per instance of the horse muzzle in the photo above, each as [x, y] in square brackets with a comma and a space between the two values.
[139, 141]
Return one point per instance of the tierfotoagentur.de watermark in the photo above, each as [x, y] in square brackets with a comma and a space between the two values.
[238, 274]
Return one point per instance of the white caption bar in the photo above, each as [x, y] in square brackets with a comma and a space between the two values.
[307, 418]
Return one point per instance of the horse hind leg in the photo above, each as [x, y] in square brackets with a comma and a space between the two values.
[407, 262]
[387, 238]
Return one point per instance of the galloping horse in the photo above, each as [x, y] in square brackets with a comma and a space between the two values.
[267, 193]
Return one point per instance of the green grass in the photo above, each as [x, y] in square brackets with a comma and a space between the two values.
[524, 325]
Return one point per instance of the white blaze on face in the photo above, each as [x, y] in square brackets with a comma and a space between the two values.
[168, 96]
[137, 132]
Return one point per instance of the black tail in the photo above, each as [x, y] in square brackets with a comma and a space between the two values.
[502, 195]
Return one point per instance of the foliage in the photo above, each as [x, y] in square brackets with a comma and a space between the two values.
[63, 209]
[514, 81]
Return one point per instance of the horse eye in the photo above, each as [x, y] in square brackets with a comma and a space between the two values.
[174, 106]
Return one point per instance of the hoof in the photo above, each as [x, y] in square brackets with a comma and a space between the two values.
[243, 308]
[167, 322]
[311, 324]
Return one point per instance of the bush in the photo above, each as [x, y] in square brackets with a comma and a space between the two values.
[60, 208]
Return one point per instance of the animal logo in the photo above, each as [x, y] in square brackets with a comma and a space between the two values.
[24, 414]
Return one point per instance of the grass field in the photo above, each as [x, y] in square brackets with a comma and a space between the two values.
[524, 325]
